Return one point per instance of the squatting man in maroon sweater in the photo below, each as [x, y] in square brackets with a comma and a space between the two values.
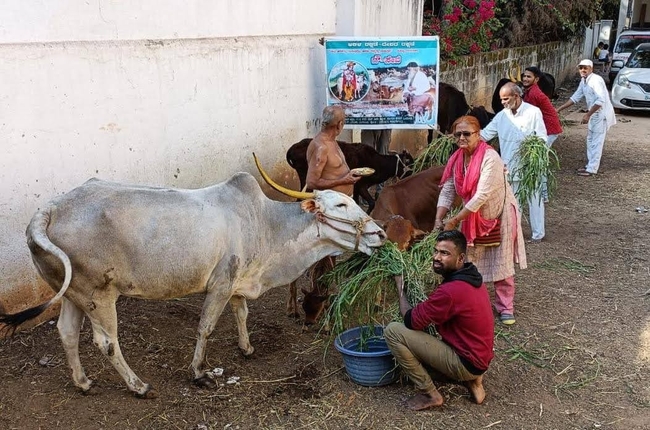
[461, 312]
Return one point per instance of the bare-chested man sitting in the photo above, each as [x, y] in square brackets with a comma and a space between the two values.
[327, 167]
[327, 171]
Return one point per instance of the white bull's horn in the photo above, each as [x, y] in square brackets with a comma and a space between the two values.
[518, 73]
[295, 194]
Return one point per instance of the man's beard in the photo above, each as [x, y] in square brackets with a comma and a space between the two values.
[441, 270]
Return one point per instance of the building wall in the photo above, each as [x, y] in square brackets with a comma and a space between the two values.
[639, 19]
[176, 93]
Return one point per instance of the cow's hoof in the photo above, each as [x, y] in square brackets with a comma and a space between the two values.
[151, 393]
[248, 351]
[93, 390]
[205, 382]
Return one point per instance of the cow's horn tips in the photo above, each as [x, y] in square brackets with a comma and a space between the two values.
[295, 194]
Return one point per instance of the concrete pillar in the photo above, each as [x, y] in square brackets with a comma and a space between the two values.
[622, 15]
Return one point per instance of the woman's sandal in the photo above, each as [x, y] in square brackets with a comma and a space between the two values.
[585, 173]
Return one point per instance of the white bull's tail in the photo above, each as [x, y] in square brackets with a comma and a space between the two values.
[37, 234]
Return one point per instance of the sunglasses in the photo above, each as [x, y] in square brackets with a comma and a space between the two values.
[458, 134]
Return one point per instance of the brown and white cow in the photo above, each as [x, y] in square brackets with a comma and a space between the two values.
[421, 106]
[103, 240]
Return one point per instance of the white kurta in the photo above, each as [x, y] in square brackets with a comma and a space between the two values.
[512, 129]
[421, 83]
[594, 90]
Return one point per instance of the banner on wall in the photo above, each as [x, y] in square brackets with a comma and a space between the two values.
[384, 82]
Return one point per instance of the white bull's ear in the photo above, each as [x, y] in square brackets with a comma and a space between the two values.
[310, 205]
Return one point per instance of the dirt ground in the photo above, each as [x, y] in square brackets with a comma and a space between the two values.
[577, 358]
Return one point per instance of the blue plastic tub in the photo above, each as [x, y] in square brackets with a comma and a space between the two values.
[372, 367]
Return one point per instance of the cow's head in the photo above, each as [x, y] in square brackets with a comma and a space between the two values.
[313, 304]
[343, 222]
[401, 232]
[481, 114]
[340, 220]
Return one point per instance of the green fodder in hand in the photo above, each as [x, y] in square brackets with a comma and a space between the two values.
[367, 294]
[536, 162]
[436, 154]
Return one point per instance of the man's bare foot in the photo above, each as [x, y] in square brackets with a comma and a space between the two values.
[476, 389]
[423, 401]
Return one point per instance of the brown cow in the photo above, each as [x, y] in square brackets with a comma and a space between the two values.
[387, 92]
[415, 198]
[401, 231]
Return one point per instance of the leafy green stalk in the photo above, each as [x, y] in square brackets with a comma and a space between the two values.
[367, 294]
[536, 163]
[436, 154]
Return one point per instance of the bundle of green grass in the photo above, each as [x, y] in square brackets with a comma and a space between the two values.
[367, 293]
[537, 163]
[435, 154]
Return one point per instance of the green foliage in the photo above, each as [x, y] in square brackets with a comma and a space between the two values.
[436, 154]
[530, 22]
[465, 27]
[367, 291]
[536, 161]
[470, 26]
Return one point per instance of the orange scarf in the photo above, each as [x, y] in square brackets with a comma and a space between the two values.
[466, 183]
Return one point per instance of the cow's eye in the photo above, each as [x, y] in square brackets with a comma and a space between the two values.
[342, 205]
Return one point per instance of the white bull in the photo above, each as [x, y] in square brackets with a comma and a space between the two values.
[103, 240]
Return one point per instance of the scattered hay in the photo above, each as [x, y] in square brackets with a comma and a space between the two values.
[565, 263]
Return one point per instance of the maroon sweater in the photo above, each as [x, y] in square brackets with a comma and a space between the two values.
[536, 97]
[461, 311]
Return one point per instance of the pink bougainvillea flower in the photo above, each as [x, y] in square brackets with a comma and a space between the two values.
[452, 19]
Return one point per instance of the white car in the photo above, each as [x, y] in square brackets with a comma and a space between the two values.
[631, 88]
[627, 42]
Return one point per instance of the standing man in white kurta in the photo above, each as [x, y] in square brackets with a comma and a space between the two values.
[599, 117]
[512, 125]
